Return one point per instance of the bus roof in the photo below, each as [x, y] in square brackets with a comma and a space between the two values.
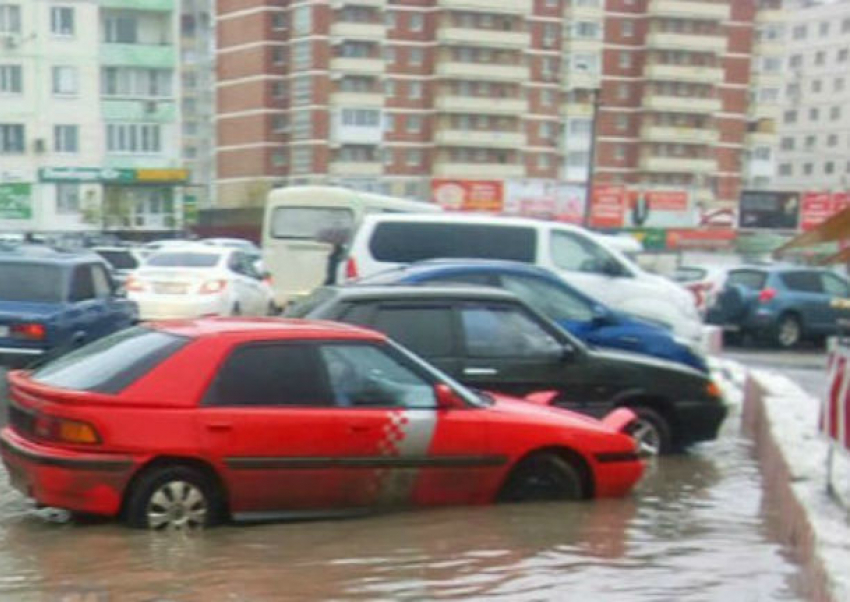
[305, 196]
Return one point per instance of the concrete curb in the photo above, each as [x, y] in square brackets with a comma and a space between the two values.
[792, 526]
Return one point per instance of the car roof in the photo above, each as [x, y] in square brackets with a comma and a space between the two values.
[46, 254]
[261, 327]
[473, 292]
[478, 265]
[470, 218]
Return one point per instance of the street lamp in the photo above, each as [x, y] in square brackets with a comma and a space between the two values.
[595, 94]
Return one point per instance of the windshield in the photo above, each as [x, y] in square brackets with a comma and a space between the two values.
[120, 260]
[38, 283]
[310, 222]
[184, 259]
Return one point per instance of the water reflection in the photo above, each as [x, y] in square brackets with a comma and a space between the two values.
[693, 531]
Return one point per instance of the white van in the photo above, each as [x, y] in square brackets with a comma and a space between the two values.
[581, 257]
[303, 224]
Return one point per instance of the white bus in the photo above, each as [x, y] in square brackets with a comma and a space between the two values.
[302, 224]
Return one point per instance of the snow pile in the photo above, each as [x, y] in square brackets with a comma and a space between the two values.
[731, 377]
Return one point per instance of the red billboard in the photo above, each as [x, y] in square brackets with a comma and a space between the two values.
[608, 207]
[469, 195]
[817, 207]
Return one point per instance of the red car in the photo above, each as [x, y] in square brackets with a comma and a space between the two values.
[187, 423]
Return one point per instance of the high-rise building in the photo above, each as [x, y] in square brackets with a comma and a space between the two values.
[814, 129]
[89, 117]
[390, 95]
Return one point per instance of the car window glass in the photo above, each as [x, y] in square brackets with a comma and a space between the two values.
[804, 282]
[576, 254]
[751, 279]
[406, 242]
[364, 375]
[476, 279]
[425, 330]
[504, 332]
[835, 286]
[357, 313]
[102, 286]
[82, 285]
[32, 282]
[309, 222]
[270, 375]
[184, 259]
[557, 303]
[301, 307]
[120, 260]
[234, 263]
[689, 274]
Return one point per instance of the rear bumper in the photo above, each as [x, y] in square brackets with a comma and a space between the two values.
[699, 421]
[162, 307]
[617, 476]
[80, 482]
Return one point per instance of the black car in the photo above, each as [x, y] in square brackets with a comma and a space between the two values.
[490, 339]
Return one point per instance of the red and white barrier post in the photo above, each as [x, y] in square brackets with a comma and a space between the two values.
[835, 411]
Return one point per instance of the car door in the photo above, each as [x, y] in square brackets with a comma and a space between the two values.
[240, 281]
[257, 288]
[805, 294]
[87, 315]
[117, 313]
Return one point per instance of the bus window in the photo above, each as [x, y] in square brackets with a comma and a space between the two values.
[308, 222]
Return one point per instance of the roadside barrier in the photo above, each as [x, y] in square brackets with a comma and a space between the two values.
[834, 420]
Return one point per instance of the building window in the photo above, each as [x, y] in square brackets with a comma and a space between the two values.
[414, 124]
[279, 53]
[302, 20]
[416, 56]
[65, 81]
[62, 21]
[585, 29]
[414, 90]
[389, 88]
[67, 198]
[762, 153]
[786, 169]
[414, 157]
[544, 161]
[544, 130]
[820, 57]
[835, 113]
[279, 21]
[547, 98]
[417, 22]
[814, 114]
[807, 169]
[622, 122]
[302, 159]
[829, 168]
[824, 28]
[278, 159]
[838, 84]
[279, 89]
[279, 124]
[832, 140]
[302, 54]
[790, 116]
[361, 117]
[623, 91]
[627, 28]
[625, 59]
[66, 138]
[11, 80]
[787, 143]
[10, 18]
[11, 138]
[120, 29]
[792, 91]
[135, 82]
[799, 32]
[302, 90]
[842, 55]
[845, 25]
[796, 61]
[817, 85]
[619, 152]
[771, 64]
[133, 138]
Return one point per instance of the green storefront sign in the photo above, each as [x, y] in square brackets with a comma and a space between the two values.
[190, 209]
[652, 239]
[16, 201]
[86, 174]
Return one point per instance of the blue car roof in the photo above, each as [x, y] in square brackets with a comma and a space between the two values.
[44, 255]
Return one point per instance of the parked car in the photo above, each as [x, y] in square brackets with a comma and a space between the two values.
[489, 339]
[199, 280]
[580, 257]
[154, 246]
[704, 282]
[586, 318]
[51, 300]
[782, 304]
[286, 418]
[122, 260]
[246, 246]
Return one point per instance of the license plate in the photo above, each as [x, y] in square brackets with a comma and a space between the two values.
[4, 331]
[170, 288]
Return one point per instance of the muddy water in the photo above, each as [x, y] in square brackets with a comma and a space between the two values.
[696, 530]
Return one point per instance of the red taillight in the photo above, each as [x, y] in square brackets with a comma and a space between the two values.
[767, 295]
[65, 430]
[133, 285]
[267, 280]
[351, 269]
[210, 287]
[30, 331]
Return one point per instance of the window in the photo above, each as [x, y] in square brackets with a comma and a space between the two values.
[279, 89]
[808, 168]
[67, 198]
[762, 153]
[417, 22]
[136, 82]
[414, 90]
[820, 58]
[278, 21]
[10, 18]
[808, 282]
[832, 140]
[120, 29]
[829, 168]
[842, 55]
[361, 117]
[427, 330]
[62, 21]
[505, 332]
[787, 143]
[414, 157]
[619, 152]
[414, 124]
[133, 138]
[65, 81]
[835, 286]
[627, 28]
[751, 279]
[824, 28]
[811, 140]
[302, 54]
[623, 91]
[389, 88]
[771, 65]
[835, 113]
[814, 114]
[416, 56]
[302, 20]
[838, 84]
[279, 54]
[11, 138]
[625, 59]
[796, 61]
[556, 303]
[575, 254]
[786, 169]
[817, 85]
[799, 32]
[307, 224]
[66, 138]
[302, 89]
[585, 29]
[11, 80]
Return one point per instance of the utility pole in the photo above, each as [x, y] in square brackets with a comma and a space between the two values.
[596, 94]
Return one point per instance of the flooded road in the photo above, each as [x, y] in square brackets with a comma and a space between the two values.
[697, 529]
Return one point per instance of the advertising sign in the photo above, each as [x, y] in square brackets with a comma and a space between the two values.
[768, 209]
[468, 195]
[660, 209]
[545, 199]
[16, 201]
[608, 207]
[817, 207]
[109, 174]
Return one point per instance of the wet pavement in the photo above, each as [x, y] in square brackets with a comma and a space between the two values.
[698, 529]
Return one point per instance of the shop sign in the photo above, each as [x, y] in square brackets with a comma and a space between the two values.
[86, 174]
[16, 201]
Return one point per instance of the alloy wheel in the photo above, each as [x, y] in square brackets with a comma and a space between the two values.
[177, 505]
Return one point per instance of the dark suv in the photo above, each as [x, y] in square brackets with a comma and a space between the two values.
[490, 339]
[781, 304]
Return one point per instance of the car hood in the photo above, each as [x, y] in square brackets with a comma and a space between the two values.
[26, 310]
[641, 361]
[543, 414]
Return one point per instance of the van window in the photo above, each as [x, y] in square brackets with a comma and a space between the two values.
[309, 222]
[577, 254]
[409, 242]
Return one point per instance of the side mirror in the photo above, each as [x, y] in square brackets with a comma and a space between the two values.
[602, 316]
[612, 268]
[447, 399]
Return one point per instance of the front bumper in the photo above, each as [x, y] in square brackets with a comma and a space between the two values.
[80, 482]
[699, 420]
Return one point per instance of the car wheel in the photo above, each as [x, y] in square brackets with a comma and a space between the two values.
[788, 331]
[173, 498]
[651, 430]
[542, 477]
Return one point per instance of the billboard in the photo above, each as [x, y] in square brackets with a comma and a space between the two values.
[468, 195]
[817, 207]
[608, 207]
[769, 209]
[16, 201]
[660, 209]
[545, 199]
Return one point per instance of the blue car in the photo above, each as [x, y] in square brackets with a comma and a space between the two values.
[781, 305]
[586, 318]
[51, 301]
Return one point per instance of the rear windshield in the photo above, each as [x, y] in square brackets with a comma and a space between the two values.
[409, 242]
[112, 363]
[184, 259]
[308, 223]
[751, 279]
[39, 283]
[303, 307]
[120, 260]
[690, 274]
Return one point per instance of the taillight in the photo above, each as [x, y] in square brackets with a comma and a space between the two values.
[29, 331]
[133, 285]
[267, 280]
[351, 269]
[210, 287]
[65, 430]
[767, 295]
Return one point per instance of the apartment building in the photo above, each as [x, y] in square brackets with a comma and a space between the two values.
[814, 129]
[89, 125]
[654, 94]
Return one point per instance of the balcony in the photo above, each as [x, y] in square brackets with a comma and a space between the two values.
[490, 38]
[577, 109]
[681, 104]
[478, 171]
[678, 165]
[689, 9]
[368, 31]
[356, 168]
[686, 42]
[764, 110]
[358, 99]
[156, 111]
[680, 135]
[475, 104]
[582, 80]
[513, 7]
[335, 4]
[483, 71]
[139, 55]
[150, 5]
[366, 66]
[684, 73]
[484, 139]
[770, 16]
[585, 13]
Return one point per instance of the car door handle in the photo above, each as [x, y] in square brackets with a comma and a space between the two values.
[480, 371]
[219, 426]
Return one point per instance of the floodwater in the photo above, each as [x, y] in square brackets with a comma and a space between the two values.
[697, 529]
